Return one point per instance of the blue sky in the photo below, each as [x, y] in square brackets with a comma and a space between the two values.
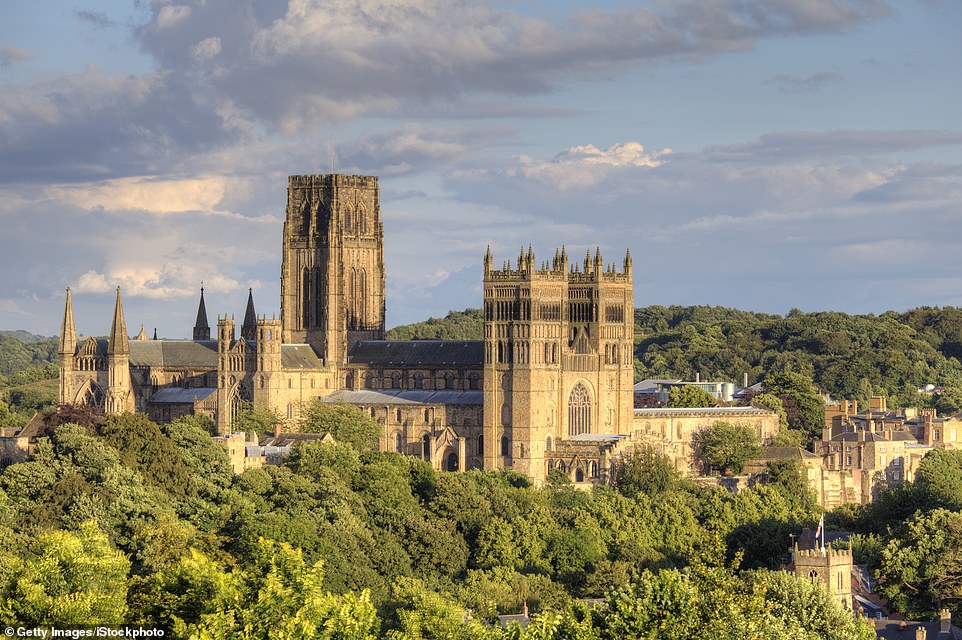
[758, 155]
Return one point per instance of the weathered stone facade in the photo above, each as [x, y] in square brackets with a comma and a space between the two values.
[549, 387]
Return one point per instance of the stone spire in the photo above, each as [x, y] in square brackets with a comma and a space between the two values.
[488, 260]
[249, 328]
[142, 336]
[201, 326]
[628, 261]
[68, 331]
[118, 342]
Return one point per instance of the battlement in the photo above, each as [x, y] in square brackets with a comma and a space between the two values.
[329, 180]
[558, 269]
[830, 553]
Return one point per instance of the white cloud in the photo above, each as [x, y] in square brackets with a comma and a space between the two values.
[171, 15]
[145, 194]
[206, 48]
[9, 55]
[586, 165]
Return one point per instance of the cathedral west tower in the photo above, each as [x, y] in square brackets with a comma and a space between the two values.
[332, 271]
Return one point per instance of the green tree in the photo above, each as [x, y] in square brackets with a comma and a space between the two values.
[690, 397]
[939, 478]
[726, 447]
[646, 471]
[256, 420]
[345, 422]
[920, 565]
[801, 400]
[68, 579]
[949, 401]
[772, 402]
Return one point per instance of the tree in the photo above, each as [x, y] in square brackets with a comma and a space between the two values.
[772, 402]
[804, 406]
[919, 567]
[726, 447]
[345, 422]
[949, 401]
[690, 396]
[69, 579]
[645, 471]
[939, 477]
[256, 420]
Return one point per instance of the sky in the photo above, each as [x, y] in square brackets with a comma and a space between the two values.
[758, 155]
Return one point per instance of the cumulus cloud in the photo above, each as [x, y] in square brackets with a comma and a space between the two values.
[145, 194]
[586, 165]
[206, 48]
[319, 61]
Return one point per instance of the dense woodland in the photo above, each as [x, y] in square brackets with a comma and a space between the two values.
[119, 520]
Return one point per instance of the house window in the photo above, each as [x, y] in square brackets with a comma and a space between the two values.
[505, 446]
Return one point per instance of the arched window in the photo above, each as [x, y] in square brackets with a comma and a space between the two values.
[474, 382]
[418, 381]
[396, 381]
[579, 410]
[452, 462]
[547, 443]
[352, 301]
[449, 381]
[362, 299]
[369, 381]
[579, 475]
[426, 446]
[398, 415]
[481, 445]
[505, 445]
[290, 411]
[398, 443]
[427, 416]
[348, 222]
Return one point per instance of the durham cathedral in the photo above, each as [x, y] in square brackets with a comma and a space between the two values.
[548, 388]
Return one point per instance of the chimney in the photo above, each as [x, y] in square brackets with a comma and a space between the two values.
[697, 376]
[277, 429]
[745, 380]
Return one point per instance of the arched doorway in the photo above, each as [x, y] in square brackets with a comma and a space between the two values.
[451, 462]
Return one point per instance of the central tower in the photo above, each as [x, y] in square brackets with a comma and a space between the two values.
[332, 269]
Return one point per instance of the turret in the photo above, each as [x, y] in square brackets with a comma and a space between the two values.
[68, 345]
[249, 328]
[201, 326]
[628, 262]
[68, 331]
[118, 343]
[119, 396]
[488, 262]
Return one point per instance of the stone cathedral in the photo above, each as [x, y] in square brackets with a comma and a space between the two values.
[549, 387]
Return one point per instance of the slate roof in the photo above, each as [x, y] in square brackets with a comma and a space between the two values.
[424, 353]
[650, 385]
[299, 356]
[852, 436]
[395, 396]
[176, 395]
[174, 353]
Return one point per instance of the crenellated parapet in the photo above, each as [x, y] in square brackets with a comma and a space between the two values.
[558, 269]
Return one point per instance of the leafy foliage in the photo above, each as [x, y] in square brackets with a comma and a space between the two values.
[726, 447]
[345, 422]
[457, 325]
[690, 397]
